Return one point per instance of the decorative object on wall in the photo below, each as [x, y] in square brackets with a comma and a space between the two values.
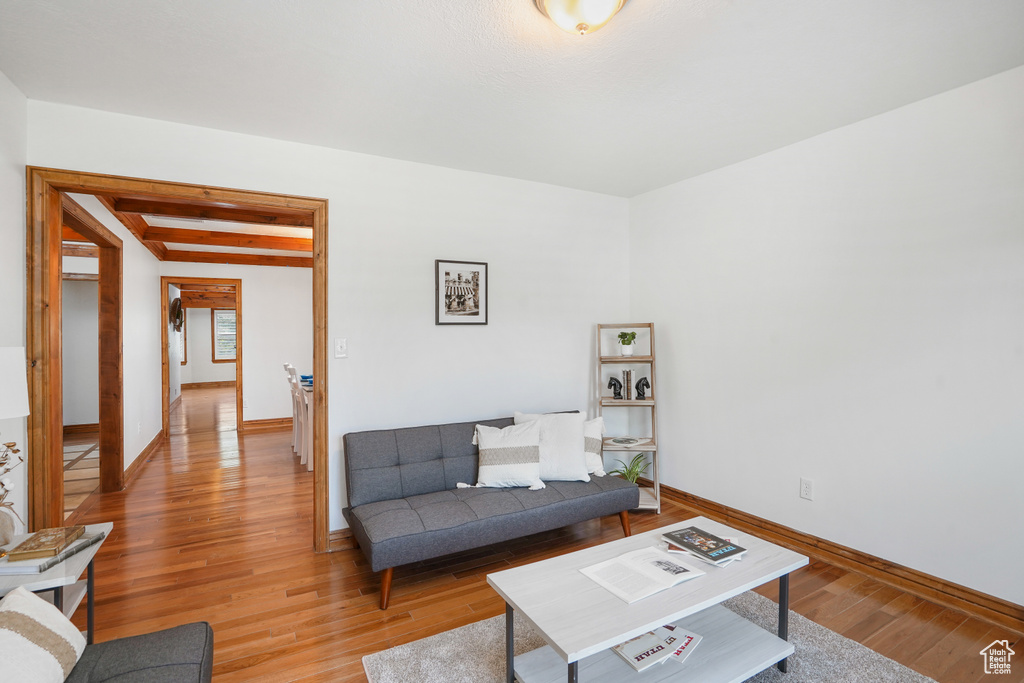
[177, 314]
[13, 403]
[579, 16]
[460, 293]
[616, 387]
[626, 342]
[641, 388]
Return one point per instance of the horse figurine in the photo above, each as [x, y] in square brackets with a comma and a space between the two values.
[616, 387]
[641, 386]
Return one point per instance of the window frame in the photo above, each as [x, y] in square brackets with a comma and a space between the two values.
[213, 335]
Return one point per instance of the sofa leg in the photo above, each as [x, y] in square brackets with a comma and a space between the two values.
[385, 586]
[624, 518]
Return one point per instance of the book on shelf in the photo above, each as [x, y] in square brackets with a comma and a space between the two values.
[705, 546]
[45, 543]
[682, 642]
[641, 573]
[657, 646]
[39, 565]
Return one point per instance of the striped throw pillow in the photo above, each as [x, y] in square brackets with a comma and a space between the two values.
[38, 644]
[509, 456]
[593, 445]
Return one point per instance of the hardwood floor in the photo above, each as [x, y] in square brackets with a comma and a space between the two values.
[218, 527]
[81, 469]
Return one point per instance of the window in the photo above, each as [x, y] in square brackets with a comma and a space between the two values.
[223, 324]
[183, 339]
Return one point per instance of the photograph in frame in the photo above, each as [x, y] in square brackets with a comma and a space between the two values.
[460, 292]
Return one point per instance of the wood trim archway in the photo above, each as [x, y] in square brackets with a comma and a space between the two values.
[43, 273]
[239, 343]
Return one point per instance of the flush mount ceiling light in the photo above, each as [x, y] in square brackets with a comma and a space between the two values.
[579, 16]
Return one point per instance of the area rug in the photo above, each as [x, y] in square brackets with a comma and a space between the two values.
[476, 653]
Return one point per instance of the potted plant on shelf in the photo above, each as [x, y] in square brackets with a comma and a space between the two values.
[634, 470]
[626, 342]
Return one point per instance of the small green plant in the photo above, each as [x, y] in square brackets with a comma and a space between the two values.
[626, 338]
[634, 470]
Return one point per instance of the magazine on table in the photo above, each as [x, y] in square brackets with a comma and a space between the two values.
[708, 547]
[657, 646]
[641, 573]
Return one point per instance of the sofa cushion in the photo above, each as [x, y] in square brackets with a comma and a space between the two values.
[395, 463]
[562, 457]
[174, 655]
[509, 456]
[400, 531]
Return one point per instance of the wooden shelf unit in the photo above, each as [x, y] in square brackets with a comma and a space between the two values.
[650, 497]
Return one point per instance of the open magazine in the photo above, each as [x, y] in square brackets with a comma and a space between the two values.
[640, 573]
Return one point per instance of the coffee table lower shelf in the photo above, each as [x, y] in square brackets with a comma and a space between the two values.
[732, 649]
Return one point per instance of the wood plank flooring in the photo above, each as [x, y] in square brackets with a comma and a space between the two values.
[218, 527]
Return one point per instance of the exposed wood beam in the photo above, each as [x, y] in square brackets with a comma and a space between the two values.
[297, 219]
[240, 259]
[80, 249]
[136, 225]
[195, 287]
[95, 277]
[228, 239]
[193, 299]
[69, 235]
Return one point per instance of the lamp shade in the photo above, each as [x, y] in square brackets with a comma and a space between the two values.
[13, 382]
[580, 16]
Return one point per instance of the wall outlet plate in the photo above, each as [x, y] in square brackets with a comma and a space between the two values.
[806, 489]
[340, 347]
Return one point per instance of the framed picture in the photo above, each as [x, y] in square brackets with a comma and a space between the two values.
[460, 293]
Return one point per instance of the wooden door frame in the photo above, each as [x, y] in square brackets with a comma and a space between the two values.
[166, 280]
[43, 275]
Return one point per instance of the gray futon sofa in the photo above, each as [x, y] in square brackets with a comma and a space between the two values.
[404, 505]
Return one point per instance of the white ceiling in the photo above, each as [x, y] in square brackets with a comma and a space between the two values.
[669, 89]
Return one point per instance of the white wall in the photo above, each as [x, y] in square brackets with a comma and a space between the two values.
[142, 360]
[13, 153]
[200, 366]
[80, 330]
[548, 250]
[173, 351]
[851, 309]
[277, 328]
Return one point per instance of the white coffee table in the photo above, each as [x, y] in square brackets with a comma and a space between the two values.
[580, 620]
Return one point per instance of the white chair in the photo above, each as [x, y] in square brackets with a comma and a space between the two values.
[296, 412]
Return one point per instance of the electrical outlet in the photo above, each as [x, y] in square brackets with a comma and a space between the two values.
[140, 428]
[340, 347]
[245, 404]
[806, 489]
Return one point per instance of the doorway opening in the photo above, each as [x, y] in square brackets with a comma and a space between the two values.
[131, 199]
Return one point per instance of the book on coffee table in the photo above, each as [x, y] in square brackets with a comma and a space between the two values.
[705, 546]
[45, 543]
[641, 573]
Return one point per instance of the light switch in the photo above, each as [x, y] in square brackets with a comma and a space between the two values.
[340, 348]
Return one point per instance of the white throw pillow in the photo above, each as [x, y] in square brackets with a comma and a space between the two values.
[593, 443]
[561, 445]
[508, 457]
[38, 644]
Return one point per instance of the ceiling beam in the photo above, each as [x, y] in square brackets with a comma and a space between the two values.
[78, 249]
[227, 239]
[68, 234]
[191, 299]
[240, 259]
[87, 277]
[196, 287]
[262, 216]
[136, 225]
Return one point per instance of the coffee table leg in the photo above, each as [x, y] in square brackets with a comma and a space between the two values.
[510, 659]
[574, 672]
[783, 615]
[58, 598]
[89, 588]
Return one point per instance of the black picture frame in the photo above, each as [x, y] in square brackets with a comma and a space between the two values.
[460, 292]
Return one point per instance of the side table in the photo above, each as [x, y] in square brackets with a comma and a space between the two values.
[63, 579]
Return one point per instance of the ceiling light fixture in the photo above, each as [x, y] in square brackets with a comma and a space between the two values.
[579, 16]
